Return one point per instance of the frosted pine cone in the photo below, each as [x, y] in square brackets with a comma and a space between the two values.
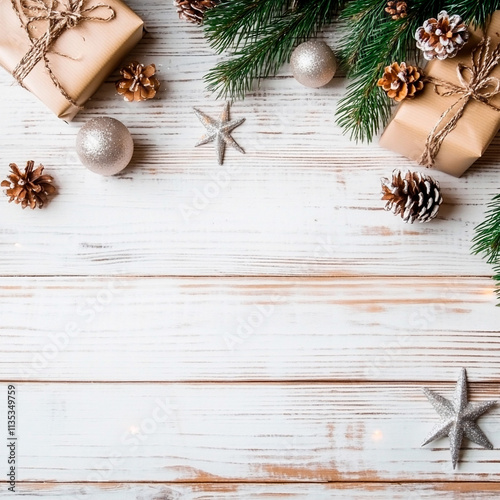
[401, 81]
[442, 37]
[415, 196]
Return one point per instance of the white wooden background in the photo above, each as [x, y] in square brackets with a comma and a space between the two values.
[258, 330]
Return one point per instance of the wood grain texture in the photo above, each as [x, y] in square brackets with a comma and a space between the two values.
[251, 331]
[231, 329]
[241, 432]
[263, 491]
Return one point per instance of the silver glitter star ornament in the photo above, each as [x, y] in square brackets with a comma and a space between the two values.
[458, 418]
[219, 131]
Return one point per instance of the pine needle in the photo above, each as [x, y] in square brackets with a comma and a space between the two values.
[372, 40]
[486, 241]
[261, 35]
[473, 12]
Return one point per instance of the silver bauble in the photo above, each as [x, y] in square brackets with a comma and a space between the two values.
[104, 145]
[313, 64]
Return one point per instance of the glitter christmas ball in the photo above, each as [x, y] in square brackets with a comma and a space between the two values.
[313, 64]
[104, 145]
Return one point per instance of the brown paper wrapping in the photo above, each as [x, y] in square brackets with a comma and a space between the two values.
[94, 49]
[413, 120]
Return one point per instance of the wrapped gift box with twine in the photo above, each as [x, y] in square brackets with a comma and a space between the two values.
[62, 50]
[450, 124]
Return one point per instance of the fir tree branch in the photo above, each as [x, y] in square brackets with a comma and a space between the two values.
[263, 33]
[487, 235]
[496, 277]
[231, 23]
[486, 241]
[473, 12]
[373, 40]
[262, 39]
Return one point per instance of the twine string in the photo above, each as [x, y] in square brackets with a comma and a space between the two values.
[475, 83]
[60, 16]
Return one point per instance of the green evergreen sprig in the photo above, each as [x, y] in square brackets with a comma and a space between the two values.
[373, 40]
[261, 34]
[476, 12]
[486, 241]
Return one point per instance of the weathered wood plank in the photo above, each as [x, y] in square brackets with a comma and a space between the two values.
[247, 329]
[232, 491]
[241, 432]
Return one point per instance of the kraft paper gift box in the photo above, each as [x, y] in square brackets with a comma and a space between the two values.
[414, 119]
[93, 36]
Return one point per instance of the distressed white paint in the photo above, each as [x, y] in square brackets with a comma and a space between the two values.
[240, 432]
[231, 491]
[142, 270]
[168, 329]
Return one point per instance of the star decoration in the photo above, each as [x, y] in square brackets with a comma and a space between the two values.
[458, 418]
[219, 131]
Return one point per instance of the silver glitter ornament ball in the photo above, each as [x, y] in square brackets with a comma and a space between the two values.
[313, 64]
[104, 145]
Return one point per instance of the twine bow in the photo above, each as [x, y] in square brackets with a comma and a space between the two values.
[478, 86]
[59, 16]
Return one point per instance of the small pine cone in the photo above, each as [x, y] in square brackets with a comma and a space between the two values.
[138, 82]
[397, 10]
[29, 188]
[194, 10]
[401, 81]
[415, 196]
[442, 37]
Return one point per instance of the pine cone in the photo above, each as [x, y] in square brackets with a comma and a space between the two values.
[194, 10]
[442, 37]
[397, 10]
[29, 187]
[138, 82]
[401, 81]
[414, 196]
